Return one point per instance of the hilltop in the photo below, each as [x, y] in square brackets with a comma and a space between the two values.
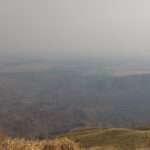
[111, 138]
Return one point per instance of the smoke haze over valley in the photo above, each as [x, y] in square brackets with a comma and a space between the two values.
[73, 63]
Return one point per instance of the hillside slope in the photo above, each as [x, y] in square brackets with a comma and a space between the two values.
[111, 139]
[45, 104]
[85, 139]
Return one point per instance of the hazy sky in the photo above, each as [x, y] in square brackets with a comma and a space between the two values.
[75, 27]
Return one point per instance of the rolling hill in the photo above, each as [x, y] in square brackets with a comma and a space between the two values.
[111, 138]
[85, 139]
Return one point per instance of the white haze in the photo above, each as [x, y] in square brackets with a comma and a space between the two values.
[67, 28]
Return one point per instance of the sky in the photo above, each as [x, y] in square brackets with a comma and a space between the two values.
[88, 28]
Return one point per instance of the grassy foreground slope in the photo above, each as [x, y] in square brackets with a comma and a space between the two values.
[85, 139]
[21, 144]
[111, 139]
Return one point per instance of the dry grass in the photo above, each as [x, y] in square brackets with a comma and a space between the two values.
[111, 139]
[89, 139]
[21, 144]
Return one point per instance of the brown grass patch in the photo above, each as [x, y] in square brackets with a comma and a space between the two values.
[21, 144]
